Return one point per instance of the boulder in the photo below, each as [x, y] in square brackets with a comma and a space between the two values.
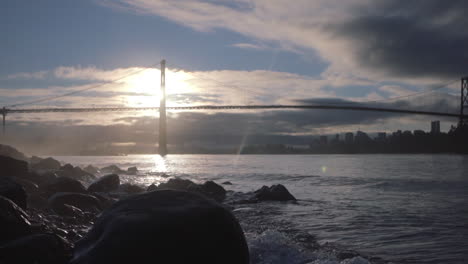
[132, 170]
[36, 249]
[9, 151]
[82, 201]
[274, 193]
[112, 169]
[13, 191]
[227, 183]
[13, 167]
[14, 222]
[209, 188]
[63, 184]
[107, 183]
[213, 190]
[68, 210]
[29, 186]
[91, 169]
[75, 173]
[130, 188]
[34, 160]
[165, 226]
[46, 164]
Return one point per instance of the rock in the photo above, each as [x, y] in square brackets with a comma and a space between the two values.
[46, 164]
[29, 186]
[14, 222]
[12, 167]
[152, 187]
[164, 227]
[130, 188]
[37, 201]
[75, 173]
[68, 210]
[82, 201]
[13, 191]
[112, 169]
[36, 249]
[213, 190]
[227, 183]
[63, 184]
[91, 169]
[9, 151]
[34, 160]
[107, 183]
[132, 170]
[176, 184]
[274, 193]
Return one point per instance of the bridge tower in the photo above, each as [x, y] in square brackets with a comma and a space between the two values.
[464, 102]
[162, 112]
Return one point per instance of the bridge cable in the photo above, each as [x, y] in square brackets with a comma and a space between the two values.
[82, 90]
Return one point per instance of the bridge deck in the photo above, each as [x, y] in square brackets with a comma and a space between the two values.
[229, 107]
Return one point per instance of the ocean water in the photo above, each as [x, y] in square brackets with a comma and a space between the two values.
[402, 208]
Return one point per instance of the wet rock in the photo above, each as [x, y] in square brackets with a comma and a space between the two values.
[12, 167]
[274, 193]
[213, 190]
[68, 210]
[14, 222]
[132, 170]
[165, 227]
[63, 184]
[91, 169]
[34, 160]
[112, 169]
[75, 173]
[152, 187]
[176, 184]
[130, 188]
[10, 151]
[37, 201]
[29, 186]
[82, 201]
[107, 183]
[36, 249]
[13, 191]
[46, 164]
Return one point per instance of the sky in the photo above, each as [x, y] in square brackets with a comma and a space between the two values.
[229, 52]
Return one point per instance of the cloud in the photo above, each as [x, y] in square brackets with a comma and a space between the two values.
[250, 46]
[28, 75]
[377, 40]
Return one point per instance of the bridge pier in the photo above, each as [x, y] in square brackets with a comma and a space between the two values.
[4, 113]
[162, 113]
[464, 102]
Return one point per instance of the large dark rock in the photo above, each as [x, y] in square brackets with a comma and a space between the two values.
[13, 191]
[46, 164]
[63, 184]
[12, 167]
[164, 227]
[36, 249]
[82, 201]
[9, 151]
[91, 169]
[130, 188]
[76, 173]
[112, 169]
[14, 222]
[274, 193]
[29, 186]
[209, 188]
[107, 183]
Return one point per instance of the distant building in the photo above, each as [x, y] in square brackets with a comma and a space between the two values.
[435, 127]
[349, 138]
[323, 140]
[362, 138]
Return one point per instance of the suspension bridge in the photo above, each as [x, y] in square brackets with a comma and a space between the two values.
[462, 115]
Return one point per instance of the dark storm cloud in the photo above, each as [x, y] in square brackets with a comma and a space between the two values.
[410, 38]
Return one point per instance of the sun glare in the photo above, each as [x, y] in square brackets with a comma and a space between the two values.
[144, 88]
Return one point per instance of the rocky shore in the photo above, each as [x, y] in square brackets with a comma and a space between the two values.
[54, 213]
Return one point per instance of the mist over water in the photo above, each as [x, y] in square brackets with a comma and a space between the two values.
[403, 208]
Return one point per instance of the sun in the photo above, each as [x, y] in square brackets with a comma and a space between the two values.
[144, 88]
